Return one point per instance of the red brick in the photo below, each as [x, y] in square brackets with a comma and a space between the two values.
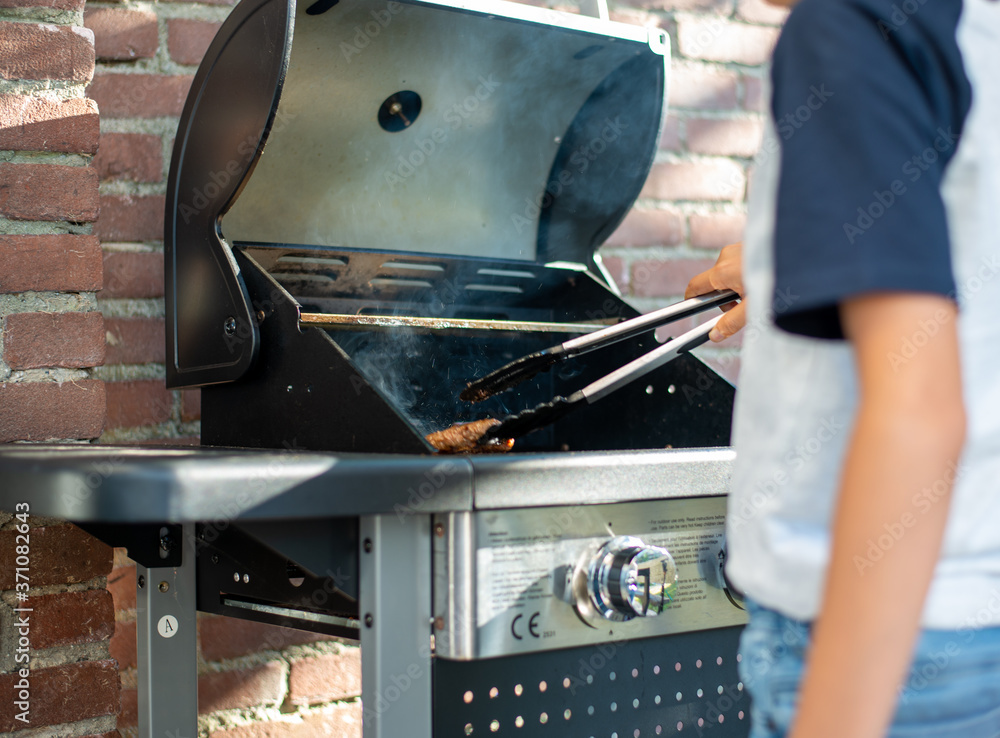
[122, 33]
[71, 618]
[325, 678]
[615, 266]
[665, 278]
[713, 39]
[48, 192]
[720, 179]
[45, 51]
[700, 89]
[136, 157]
[121, 585]
[63, 263]
[724, 137]
[133, 274]
[715, 230]
[128, 218]
[40, 124]
[64, 694]
[670, 139]
[137, 403]
[74, 5]
[761, 11]
[228, 690]
[135, 340]
[123, 645]
[190, 405]
[60, 554]
[187, 40]
[228, 638]
[753, 94]
[139, 95]
[128, 716]
[341, 721]
[39, 340]
[43, 411]
[649, 228]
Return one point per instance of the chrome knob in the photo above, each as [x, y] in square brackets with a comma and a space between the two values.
[628, 579]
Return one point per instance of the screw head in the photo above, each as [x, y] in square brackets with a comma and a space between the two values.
[369, 620]
[215, 558]
[164, 586]
[439, 530]
[141, 581]
[368, 545]
[260, 316]
[229, 326]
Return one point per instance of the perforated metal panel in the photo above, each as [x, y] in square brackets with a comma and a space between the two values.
[684, 684]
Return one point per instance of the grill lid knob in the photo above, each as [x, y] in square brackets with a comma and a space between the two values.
[628, 579]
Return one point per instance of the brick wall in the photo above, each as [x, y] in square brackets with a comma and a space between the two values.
[55, 642]
[65, 356]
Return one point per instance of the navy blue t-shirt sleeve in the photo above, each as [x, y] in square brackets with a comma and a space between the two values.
[868, 106]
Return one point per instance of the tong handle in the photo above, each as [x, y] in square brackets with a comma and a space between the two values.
[648, 362]
[634, 326]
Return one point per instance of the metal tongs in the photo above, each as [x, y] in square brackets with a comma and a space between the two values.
[519, 370]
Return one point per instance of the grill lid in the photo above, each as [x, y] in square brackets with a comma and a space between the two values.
[501, 130]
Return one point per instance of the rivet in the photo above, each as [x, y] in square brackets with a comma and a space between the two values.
[368, 545]
[164, 586]
[141, 581]
[369, 620]
[229, 326]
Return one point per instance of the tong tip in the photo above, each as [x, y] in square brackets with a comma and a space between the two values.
[507, 376]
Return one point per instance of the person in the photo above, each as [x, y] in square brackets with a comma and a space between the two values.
[864, 513]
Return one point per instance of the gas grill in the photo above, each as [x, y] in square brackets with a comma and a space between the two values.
[370, 205]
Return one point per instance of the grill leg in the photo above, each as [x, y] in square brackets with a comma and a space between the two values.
[166, 642]
[395, 626]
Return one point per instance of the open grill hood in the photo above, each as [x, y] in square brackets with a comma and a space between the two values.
[345, 162]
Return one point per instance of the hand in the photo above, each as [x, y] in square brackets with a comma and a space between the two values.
[726, 274]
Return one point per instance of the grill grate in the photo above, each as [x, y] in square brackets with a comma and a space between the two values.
[684, 684]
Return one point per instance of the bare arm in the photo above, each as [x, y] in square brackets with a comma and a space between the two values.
[908, 435]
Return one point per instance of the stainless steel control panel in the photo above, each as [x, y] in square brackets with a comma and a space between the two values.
[515, 581]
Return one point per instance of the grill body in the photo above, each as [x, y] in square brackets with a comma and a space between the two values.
[351, 184]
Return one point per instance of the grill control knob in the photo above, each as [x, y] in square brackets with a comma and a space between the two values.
[628, 578]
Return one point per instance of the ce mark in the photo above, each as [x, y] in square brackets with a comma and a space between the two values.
[532, 626]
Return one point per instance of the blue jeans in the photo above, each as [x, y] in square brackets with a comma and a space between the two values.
[953, 689]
